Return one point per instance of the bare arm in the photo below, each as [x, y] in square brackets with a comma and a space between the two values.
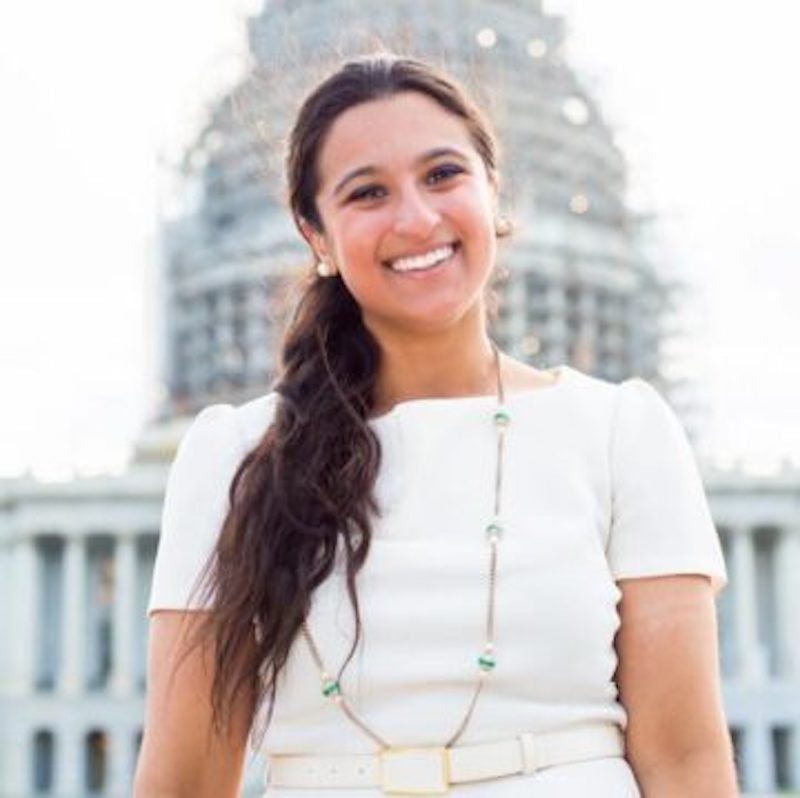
[677, 739]
[181, 753]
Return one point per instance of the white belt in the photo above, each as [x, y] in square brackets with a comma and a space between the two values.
[427, 770]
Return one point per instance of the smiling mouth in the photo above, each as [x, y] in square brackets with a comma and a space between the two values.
[429, 260]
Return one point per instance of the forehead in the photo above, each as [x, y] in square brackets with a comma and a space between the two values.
[391, 131]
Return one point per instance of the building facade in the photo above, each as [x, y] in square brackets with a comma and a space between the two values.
[75, 565]
[758, 519]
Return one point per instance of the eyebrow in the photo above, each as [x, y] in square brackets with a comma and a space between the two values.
[437, 152]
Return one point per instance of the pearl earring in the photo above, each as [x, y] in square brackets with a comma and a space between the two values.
[503, 226]
[325, 269]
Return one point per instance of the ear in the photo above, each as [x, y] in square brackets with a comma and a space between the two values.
[314, 239]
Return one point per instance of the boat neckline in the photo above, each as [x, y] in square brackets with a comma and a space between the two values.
[562, 372]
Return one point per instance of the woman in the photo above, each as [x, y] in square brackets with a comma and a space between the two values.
[523, 559]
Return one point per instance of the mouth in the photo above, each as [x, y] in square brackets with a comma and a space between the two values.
[427, 262]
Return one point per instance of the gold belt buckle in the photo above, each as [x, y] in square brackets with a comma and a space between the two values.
[415, 771]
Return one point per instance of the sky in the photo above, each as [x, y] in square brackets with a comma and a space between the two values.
[701, 97]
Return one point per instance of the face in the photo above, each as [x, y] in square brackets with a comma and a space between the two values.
[403, 187]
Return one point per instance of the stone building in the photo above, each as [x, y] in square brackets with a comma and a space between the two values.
[758, 519]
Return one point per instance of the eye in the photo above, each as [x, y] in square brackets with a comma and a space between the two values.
[365, 192]
[443, 172]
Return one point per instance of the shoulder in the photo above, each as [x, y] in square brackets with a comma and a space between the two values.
[583, 388]
[641, 406]
[627, 409]
[633, 391]
[648, 438]
[254, 417]
[597, 396]
[226, 429]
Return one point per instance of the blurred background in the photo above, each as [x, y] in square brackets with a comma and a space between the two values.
[651, 168]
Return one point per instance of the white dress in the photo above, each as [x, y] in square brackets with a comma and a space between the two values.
[599, 484]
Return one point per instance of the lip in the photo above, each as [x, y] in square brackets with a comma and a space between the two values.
[422, 274]
[454, 244]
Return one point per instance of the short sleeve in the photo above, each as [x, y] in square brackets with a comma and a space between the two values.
[195, 506]
[660, 520]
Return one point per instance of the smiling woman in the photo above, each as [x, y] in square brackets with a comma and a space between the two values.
[493, 514]
[417, 200]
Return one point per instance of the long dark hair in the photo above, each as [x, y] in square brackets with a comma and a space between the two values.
[307, 489]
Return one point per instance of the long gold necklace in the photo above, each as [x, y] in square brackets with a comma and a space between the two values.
[332, 688]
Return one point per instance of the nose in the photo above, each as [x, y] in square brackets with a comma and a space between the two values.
[415, 216]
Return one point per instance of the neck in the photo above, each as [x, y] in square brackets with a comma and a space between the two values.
[444, 365]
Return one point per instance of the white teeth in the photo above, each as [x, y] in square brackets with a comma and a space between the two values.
[422, 261]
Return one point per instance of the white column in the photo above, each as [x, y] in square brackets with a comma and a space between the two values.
[794, 755]
[120, 763]
[787, 567]
[759, 759]
[15, 762]
[123, 618]
[24, 595]
[750, 662]
[70, 750]
[71, 677]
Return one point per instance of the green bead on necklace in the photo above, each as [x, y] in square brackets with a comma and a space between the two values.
[502, 418]
[494, 530]
[487, 662]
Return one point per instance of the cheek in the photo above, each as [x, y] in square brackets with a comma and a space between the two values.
[358, 237]
[473, 209]
[478, 219]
